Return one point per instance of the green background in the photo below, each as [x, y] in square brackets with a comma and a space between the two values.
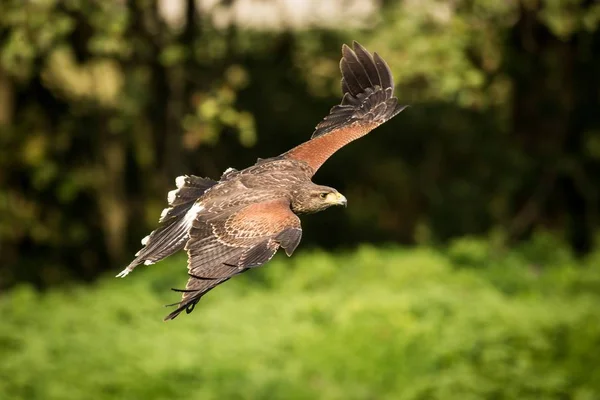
[465, 266]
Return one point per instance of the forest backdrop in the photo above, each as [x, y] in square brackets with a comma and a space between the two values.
[466, 265]
[104, 103]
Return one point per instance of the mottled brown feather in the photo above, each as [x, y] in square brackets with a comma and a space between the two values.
[224, 246]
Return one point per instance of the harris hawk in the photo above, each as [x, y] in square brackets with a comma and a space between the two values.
[240, 221]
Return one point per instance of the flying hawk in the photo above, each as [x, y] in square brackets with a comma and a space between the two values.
[240, 221]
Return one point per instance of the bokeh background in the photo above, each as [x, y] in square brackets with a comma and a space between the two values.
[465, 267]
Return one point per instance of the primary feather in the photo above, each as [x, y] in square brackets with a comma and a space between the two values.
[368, 101]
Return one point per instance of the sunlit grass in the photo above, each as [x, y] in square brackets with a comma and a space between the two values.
[371, 324]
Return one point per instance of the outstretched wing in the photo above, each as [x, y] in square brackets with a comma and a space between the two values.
[175, 222]
[230, 243]
[368, 102]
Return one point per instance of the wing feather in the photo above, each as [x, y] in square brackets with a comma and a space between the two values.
[387, 79]
[368, 101]
[353, 72]
[234, 241]
[366, 61]
[175, 222]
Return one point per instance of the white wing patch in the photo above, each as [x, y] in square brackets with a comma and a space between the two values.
[163, 214]
[185, 225]
[193, 212]
[172, 195]
[229, 171]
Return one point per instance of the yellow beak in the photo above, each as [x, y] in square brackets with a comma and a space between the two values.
[338, 199]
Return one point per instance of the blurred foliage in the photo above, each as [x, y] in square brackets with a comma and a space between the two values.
[103, 103]
[372, 323]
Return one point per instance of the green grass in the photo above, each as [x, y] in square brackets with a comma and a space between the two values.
[371, 324]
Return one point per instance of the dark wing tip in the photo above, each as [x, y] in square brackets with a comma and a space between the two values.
[368, 88]
[188, 307]
[173, 315]
[387, 80]
[362, 70]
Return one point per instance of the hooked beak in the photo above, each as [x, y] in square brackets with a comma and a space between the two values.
[341, 200]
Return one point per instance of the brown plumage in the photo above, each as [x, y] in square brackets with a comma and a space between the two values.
[239, 222]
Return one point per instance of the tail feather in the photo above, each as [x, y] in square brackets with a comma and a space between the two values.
[175, 222]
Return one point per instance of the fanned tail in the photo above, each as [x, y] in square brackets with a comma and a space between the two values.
[175, 222]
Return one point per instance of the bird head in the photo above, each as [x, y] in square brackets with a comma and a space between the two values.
[314, 198]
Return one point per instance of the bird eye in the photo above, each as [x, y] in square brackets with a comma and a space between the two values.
[323, 195]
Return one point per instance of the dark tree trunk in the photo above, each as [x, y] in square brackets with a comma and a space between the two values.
[552, 87]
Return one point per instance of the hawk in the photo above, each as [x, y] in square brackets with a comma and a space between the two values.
[240, 221]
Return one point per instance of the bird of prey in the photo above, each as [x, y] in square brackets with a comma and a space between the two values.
[240, 221]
